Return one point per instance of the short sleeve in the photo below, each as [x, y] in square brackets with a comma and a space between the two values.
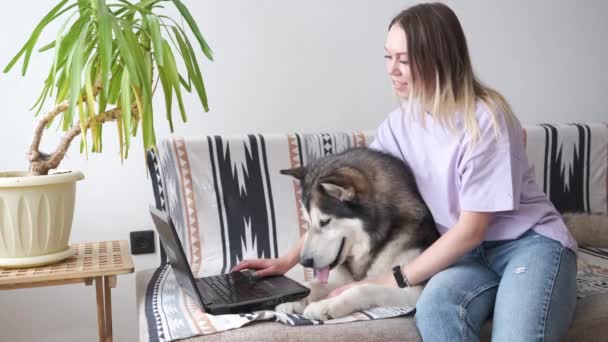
[376, 145]
[381, 135]
[386, 136]
[490, 172]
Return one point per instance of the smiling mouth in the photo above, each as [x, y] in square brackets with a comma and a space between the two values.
[322, 274]
[337, 259]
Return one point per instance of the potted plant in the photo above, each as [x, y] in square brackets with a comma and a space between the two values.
[108, 58]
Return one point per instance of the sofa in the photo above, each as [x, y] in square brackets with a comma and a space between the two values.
[229, 202]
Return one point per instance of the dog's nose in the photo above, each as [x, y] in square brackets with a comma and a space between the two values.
[307, 262]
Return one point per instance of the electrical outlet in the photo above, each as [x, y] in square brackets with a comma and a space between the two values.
[142, 242]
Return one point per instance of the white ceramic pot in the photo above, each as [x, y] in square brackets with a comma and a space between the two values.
[36, 215]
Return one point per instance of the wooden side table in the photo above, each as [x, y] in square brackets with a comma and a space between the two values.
[94, 261]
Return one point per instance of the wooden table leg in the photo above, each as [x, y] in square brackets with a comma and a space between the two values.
[101, 320]
[108, 307]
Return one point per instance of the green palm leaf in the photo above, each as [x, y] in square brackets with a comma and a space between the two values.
[194, 27]
[125, 105]
[154, 26]
[173, 77]
[104, 28]
[75, 77]
[109, 53]
[29, 45]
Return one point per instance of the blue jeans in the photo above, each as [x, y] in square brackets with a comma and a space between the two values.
[527, 286]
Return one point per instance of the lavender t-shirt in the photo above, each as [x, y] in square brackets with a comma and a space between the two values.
[494, 176]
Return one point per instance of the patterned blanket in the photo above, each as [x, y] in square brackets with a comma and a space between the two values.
[180, 317]
[229, 202]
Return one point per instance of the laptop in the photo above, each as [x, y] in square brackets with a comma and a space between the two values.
[236, 292]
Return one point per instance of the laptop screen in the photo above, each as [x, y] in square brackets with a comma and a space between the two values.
[175, 253]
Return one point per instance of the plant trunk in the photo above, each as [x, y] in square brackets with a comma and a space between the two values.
[40, 162]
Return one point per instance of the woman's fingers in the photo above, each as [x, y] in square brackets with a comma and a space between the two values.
[245, 264]
[252, 264]
[240, 266]
[263, 267]
[272, 270]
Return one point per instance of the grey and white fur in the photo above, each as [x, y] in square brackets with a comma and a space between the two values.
[365, 217]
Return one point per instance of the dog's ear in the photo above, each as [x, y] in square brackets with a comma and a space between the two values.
[298, 172]
[338, 192]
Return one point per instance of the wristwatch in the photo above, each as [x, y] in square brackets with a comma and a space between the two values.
[400, 277]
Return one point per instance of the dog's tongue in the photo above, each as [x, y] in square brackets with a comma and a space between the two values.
[322, 274]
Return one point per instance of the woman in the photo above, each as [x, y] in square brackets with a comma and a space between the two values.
[504, 251]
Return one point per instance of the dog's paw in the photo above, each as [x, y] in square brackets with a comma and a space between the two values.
[317, 310]
[327, 309]
[290, 308]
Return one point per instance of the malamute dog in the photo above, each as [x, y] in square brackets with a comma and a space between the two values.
[365, 217]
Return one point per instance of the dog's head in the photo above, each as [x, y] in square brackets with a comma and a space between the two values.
[333, 197]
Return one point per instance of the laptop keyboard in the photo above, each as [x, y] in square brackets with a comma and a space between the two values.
[234, 288]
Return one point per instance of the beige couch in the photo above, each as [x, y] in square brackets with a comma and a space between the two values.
[590, 324]
[199, 163]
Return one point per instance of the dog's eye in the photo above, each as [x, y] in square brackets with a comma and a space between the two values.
[324, 222]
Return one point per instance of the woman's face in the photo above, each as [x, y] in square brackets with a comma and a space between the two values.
[397, 64]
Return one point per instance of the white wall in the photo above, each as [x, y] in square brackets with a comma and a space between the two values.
[286, 66]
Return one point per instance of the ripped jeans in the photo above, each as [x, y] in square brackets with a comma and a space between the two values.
[527, 286]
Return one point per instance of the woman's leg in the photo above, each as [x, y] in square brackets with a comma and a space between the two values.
[536, 297]
[457, 301]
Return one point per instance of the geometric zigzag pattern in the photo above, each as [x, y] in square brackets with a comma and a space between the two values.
[157, 179]
[190, 205]
[295, 162]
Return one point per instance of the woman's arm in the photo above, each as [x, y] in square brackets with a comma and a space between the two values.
[293, 255]
[276, 266]
[468, 233]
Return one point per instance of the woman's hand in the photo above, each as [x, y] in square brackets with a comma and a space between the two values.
[388, 281]
[270, 267]
[265, 267]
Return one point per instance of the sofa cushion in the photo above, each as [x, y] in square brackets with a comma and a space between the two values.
[160, 300]
[590, 324]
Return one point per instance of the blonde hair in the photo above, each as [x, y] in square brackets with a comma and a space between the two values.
[442, 74]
